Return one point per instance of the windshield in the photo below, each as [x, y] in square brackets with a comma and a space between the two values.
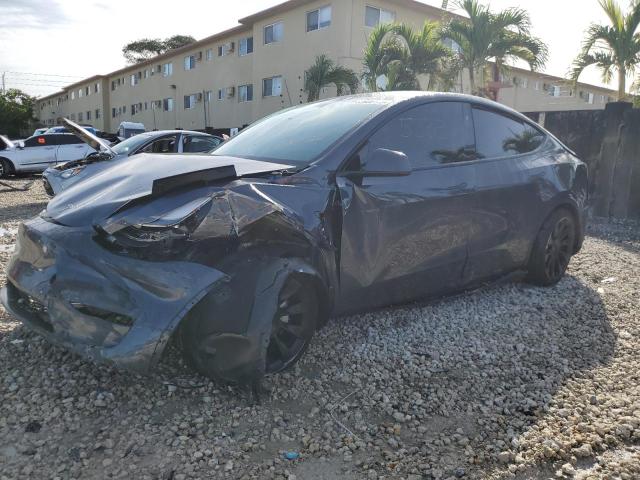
[130, 144]
[300, 134]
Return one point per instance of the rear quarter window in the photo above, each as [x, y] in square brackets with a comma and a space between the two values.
[498, 135]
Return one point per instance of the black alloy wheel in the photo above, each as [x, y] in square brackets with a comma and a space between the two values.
[293, 324]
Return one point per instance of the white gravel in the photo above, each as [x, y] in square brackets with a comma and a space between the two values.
[510, 381]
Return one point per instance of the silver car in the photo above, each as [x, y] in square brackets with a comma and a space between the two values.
[61, 177]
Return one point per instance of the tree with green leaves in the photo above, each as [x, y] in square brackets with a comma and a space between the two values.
[147, 48]
[16, 112]
[612, 48]
[493, 37]
[325, 72]
[401, 55]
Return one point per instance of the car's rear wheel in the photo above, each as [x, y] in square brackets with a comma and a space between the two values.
[553, 249]
[6, 168]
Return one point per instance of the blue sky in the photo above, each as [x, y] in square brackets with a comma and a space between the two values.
[66, 39]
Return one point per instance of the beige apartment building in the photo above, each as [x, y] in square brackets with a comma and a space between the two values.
[232, 78]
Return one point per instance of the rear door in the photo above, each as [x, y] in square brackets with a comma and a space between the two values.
[71, 148]
[506, 207]
[39, 152]
[405, 237]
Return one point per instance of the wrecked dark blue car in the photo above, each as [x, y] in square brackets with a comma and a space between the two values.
[338, 206]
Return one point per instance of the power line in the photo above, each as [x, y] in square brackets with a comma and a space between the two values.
[45, 74]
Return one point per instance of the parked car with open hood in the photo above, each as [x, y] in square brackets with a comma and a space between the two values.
[35, 154]
[60, 177]
[338, 206]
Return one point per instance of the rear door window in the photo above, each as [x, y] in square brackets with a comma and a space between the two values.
[195, 144]
[498, 135]
[431, 134]
[69, 139]
[42, 141]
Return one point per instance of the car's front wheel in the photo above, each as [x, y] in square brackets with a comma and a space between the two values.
[553, 249]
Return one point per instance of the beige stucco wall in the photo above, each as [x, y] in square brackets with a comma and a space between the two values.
[343, 41]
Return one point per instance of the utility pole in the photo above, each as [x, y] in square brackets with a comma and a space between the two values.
[204, 108]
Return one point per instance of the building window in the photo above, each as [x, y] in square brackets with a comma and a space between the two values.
[80, 93]
[89, 115]
[189, 101]
[246, 46]
[146, 73]
[245, 93]
[87, 91]
[96, 88]
[374, 16]
[190, 62]
[209, 54]
[80, 117]
[590, 98]
[273, 33]
[124, 109]
[167, 104]
[221, 94]
[146, 105]
[167, 69]
[97, 113]
[134, 80]
[318, 19]
[272, 87]
[73, 95]
[113, 112]
[72, 117]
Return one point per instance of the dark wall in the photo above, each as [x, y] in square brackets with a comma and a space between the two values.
[608, 141]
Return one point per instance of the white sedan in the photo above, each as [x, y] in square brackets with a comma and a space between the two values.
[37, 153]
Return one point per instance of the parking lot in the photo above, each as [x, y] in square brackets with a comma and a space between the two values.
[509, 381]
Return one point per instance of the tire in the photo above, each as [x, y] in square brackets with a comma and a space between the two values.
[553, 249]
[292, 328]
[6, 168]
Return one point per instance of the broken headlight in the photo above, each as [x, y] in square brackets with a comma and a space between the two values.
[165, 231]
[72, 172]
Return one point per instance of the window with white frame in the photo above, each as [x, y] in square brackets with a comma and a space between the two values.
[245, 93]
[221, 94]
[97, 113]
[134, 80]
[209, 54]
[87, 91]
[73, 95]
[320, 18]
[80, 93]
[167, 104]
[590, 98]
[246, 46]
[272, 87]
[80, 117]
[146, 73]
[167, 69]
[96, 88]
[189, 62]
[273, 33]
[189, 101]
[88, 114]
[374, 16]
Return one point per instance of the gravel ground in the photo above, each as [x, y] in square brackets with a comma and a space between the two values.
[510, 381]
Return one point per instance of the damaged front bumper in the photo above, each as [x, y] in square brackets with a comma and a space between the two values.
[103, 306]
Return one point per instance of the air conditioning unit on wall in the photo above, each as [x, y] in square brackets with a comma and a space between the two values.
[231, 47]
[199, 97]
[231, 92]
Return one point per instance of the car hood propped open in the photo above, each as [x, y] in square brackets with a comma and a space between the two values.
[98, 197]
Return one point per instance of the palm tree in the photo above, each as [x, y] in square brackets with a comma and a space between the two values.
[614, 47]
[402, 55]
[325, 72]
[499, 37]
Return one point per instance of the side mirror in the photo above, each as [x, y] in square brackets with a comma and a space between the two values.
[383, 162]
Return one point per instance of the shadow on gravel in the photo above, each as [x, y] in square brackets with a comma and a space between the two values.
[21, 213]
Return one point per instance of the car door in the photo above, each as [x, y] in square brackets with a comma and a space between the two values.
[405, 237]
[71, 148]
[509, 174]
[199, 143]
[38, 152]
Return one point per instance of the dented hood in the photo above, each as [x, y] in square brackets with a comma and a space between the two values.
[99, 196]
